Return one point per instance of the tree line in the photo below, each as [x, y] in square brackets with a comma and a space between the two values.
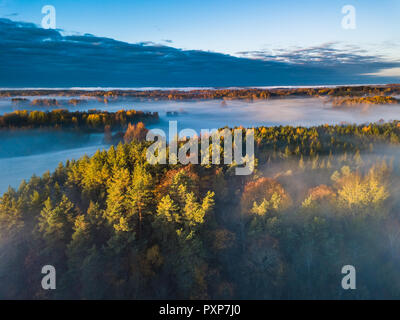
[217, 93]
[61, 118]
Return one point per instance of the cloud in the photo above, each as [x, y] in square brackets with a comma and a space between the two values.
[328, 54]
[392, 72]
[12, 14]
[36, 57]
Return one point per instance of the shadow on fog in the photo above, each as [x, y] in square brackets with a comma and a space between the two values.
[20, 143]
[27, 152]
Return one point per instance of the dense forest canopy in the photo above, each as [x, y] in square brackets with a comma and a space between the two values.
[116, 227]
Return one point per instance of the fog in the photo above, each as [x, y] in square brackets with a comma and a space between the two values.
[24, 153]
[27, 152]
[14, 170]
[215, 114]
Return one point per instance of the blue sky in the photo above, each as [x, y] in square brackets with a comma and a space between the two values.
[227, 26]
[302, 32]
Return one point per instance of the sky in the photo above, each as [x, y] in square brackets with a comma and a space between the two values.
[303, 34]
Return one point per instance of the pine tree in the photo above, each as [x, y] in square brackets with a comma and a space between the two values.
[140, 194]
[117, 202]
[55, 222]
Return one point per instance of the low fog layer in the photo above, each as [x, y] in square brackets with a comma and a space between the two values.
[14, 170]
[27, 152]
[16, 151]
[216, 114]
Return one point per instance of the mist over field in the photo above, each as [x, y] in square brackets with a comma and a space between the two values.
[216, 114]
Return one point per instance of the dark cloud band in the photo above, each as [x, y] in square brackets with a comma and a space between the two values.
[35, 57]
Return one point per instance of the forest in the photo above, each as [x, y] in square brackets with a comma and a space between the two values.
[92, 120]
[116, 227]
[248, 94]
[352, 101]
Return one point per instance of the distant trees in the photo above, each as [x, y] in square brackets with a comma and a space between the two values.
[249, 94]
[91, 120]
[354, 101]
[45, 102]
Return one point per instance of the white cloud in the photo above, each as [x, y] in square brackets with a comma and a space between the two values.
[391, 72]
